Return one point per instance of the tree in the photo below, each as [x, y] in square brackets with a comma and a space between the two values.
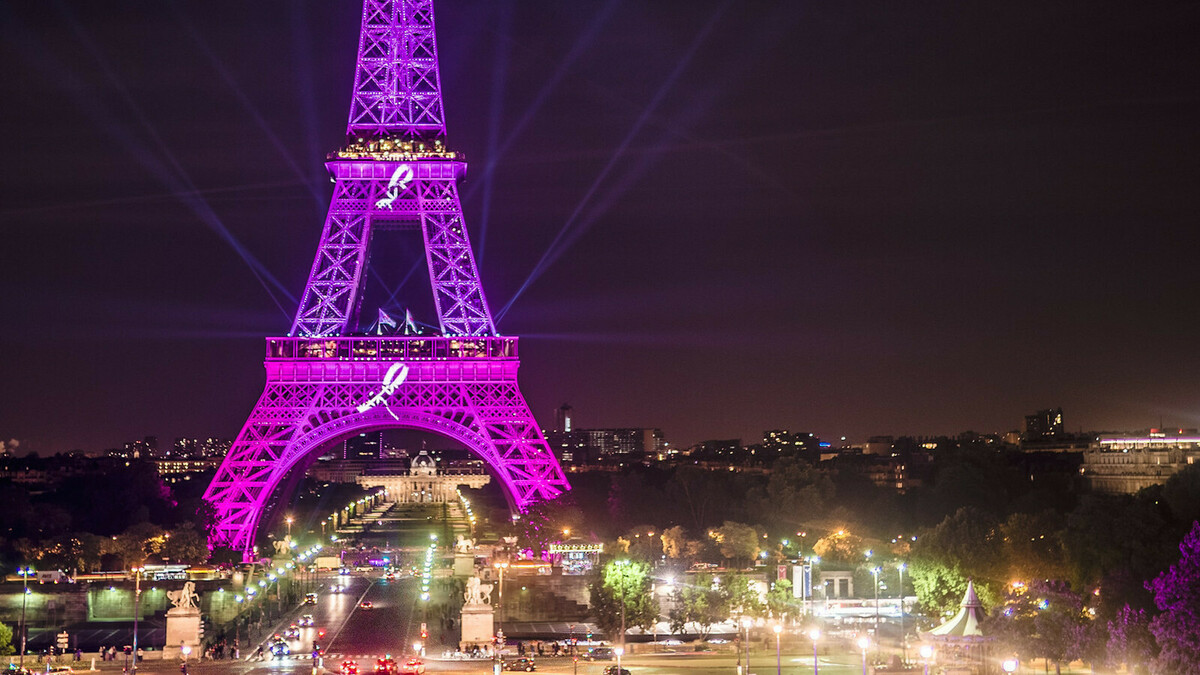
[1177, 595]
[964, 546]
[674, 542]
[1033, 547]
[743, 597]
[840, 547]
[622, 597]
[1130, 641]
[6, 646]
[794, 490]
[737, 542]
[186, 545]
[643, 544]
[702, 603]
[780, 601]
[1042, 619]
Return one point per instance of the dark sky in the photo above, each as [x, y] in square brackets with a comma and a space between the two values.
[848, 218]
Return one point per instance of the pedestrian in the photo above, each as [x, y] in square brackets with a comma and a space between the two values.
[141, 655]
[183, 668]
[103, 656]
[78, 654]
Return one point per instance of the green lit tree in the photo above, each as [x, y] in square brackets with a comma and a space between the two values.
[6, 636]
[622, 598]
[702, 603]
[780, 602]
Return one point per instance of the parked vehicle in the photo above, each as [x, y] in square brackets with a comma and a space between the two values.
[600, 654]
[524, 663]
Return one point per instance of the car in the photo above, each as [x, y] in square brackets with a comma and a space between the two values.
[306, 620]
[524, 663]
[600, 654]
[366, 604]
[279, 647]
[310, 599]
[291, 632]
[385, 666]
[336, 588]
[349, 667]
[413, 667]
[613, 670]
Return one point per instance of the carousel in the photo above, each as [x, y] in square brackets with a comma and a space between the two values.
[959, 645]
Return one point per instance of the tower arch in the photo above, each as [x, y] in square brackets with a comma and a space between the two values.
[323, 381]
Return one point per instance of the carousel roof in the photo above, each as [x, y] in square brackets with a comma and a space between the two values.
[967, 622]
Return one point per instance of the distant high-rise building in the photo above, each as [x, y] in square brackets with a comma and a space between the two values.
[780, 442]
[1044, 424]
[562, 417]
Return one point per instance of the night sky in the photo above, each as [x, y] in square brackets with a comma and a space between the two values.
[839, 217]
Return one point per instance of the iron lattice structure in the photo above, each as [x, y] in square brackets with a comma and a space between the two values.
[323, 383]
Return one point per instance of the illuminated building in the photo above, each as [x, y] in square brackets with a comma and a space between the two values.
[1128, 463]
[424, 482]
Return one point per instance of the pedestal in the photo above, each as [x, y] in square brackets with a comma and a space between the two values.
[477, 626]
[464, 564]
[183, 629]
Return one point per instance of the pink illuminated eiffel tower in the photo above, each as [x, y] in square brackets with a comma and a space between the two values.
[324, 385]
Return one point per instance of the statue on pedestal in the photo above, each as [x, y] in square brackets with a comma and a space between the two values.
[464, 545]
[185, 598]
[477, 593]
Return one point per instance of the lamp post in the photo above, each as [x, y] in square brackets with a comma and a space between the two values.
[778, 661]
[875, 572]
[926, 654]
[903, 637]
[24, 598]
[500, 566]
[747, 622]
[289, 523]
[137, 594]
[863, 643]
[815, 634]
[1010, 665]
[619, 651]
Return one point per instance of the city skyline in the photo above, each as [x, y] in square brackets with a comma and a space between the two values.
[835, 220]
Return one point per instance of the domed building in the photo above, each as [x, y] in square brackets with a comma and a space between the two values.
[425, 483]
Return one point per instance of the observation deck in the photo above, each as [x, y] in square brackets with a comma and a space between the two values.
[391, 348]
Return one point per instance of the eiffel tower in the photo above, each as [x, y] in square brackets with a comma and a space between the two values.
[324, 383]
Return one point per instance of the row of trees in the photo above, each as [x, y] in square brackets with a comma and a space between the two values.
[622, 596]
[1048, 619]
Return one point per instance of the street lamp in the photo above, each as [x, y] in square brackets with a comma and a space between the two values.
[815, 634]
[747, 622]
[289, 522]
[863, 643]
[137, 594]
[619, 651]
[778, 662]
[1010, 665]
[926, 654]
[500, 566]
[903, 640]
[875, 571]
[25, 572]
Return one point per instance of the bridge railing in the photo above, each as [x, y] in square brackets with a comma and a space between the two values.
[390, 348]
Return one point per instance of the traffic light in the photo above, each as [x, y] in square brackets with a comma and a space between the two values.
[424, 631]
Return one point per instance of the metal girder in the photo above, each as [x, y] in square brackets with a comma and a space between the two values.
[323, 385]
